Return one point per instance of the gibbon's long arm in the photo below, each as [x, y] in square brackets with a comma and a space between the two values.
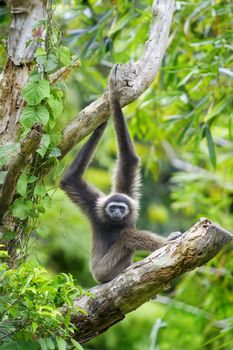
[145, 240]
[127, 172]
[72, 182]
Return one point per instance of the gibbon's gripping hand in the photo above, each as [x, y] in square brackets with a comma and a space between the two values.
[112, 83]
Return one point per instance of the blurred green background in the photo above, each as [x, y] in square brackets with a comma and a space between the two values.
[182, 127]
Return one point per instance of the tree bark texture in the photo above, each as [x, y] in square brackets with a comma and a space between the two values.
[145, 279]
[25, 29]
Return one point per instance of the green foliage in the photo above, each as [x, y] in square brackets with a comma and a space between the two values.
[31, 303]
[183, 128]
[36, 90]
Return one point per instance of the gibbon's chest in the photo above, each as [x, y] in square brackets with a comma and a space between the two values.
[104, 238]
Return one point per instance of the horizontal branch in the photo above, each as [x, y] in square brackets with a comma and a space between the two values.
[132, 78]
[28, 146]
[143, 280]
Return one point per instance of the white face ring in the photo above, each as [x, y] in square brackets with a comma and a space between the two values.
[117, 204]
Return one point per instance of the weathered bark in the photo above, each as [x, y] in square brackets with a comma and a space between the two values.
[11, 102]
[132, 78]
[25, 30]
[143, 280]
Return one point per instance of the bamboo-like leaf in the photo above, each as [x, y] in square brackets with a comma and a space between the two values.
[197, 146]
[218, 108]
[211, 146]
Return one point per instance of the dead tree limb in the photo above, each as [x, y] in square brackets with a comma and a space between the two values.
[132, 78]
[145, 279]
[64, 72]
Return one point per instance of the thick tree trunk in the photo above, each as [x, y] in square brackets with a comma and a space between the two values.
[25, 30]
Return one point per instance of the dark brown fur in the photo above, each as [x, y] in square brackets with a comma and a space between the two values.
[113, 243]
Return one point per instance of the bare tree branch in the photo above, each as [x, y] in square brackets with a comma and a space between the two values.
[64, 72]
[145, 279]
[27, 148]
[133, 78]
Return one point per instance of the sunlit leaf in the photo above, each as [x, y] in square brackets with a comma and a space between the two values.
[35, 91]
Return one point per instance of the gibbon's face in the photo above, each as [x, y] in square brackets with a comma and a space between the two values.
[117, 211]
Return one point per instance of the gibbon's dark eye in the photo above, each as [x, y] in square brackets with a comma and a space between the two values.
[122, 209]
[112, 208]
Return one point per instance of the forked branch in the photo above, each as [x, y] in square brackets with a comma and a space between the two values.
[145, 279]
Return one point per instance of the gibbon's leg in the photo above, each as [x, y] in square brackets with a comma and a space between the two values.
[116, 259]
[72, 182]
[126, 177]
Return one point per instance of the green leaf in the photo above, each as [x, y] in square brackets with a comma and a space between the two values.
[42, 115]
[45, 142]
[8, 235]
[40, 190]
[22, 345]
[22, 183]
[64, 55]
[56, 106]
[3, 254]
[187, 77]
[211, 147]
[56, 138]
[42, 59]
[218, 108]
[21, 208]
[35, 91]
[121, 23]
[28, 117]
[67, 319]
[50, 344]
[43, 344]
[34, 327]
[76, 345]
[33, 114]
[197, 146]
[52, 63]
[55, 152]
[39, 52]
[32, 179]
[61, 343]
[25, 133]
